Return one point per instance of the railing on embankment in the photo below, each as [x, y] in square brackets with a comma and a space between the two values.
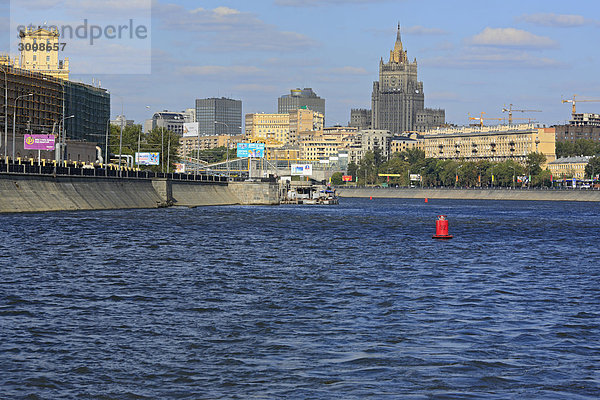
[546, 194]
[33, 188]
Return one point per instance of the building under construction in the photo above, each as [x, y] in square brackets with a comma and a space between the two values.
[38, 103]
[581, 126]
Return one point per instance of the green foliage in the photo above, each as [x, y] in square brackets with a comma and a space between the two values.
[352, 170]
[580, 147]
[165, 142]
[218, 154]
[593, 167]
[130, 139]
[367, 169]
[534, 163]
[336, 178]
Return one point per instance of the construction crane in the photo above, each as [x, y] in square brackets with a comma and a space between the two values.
[573, 101]
[480, 119]
[510, 110]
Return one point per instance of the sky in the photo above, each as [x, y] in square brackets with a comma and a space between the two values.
[473, 56]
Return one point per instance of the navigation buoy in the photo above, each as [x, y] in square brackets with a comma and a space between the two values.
[370, 197]
[441, 228]
[426, 200]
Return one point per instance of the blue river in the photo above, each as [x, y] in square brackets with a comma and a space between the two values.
[303, 302]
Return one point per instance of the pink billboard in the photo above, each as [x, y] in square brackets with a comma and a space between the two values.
[39, 142]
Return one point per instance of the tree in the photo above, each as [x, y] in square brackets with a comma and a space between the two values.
[129, 143]
[367, 169]
[352, 170]
[336, 178]
[593, 167]
[534, 163]
[165, 142]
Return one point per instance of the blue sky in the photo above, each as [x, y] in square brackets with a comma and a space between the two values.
[473, 56]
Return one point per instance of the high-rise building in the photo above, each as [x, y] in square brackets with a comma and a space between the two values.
[170, 120]
[219, 116]
[300, 98]
[398, 101]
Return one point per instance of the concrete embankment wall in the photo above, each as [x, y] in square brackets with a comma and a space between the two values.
[194, 194]
[32, 193]
[473, 194]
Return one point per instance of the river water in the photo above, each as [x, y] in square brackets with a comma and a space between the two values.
[303, 302]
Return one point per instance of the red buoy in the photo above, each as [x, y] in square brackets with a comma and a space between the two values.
[441, 228]
[426, 200]
[370, 197]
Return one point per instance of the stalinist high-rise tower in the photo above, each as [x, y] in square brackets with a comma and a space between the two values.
[398, 101]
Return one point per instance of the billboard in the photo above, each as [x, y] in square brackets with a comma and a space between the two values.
[38, 142]
[301, 169]
[190, 129]
[179, 168]
[147, 158]
[255, 150]
[346, 178]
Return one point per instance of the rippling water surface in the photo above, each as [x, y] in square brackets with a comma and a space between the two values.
[351, 301]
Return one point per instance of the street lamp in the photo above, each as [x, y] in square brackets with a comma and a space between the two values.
[62, 138]
[217, 122]
[513, 178]
[5, 111]
[15, 121]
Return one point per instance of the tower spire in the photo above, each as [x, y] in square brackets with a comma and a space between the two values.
[398, 38]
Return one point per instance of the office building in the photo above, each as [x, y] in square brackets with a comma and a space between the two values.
[219, 116]
[271, 128]
[369, 140]
[169, 120]
[300, 98]
[360, 118]
[121, 120]
[492, 143]
[581, 126]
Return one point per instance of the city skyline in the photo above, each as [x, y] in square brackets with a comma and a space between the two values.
[470, 59]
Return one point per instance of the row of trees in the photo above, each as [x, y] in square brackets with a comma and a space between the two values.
[580, 147]
[435, 172]
[158, 140]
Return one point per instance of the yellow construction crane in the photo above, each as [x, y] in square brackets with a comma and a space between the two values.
[480, 119]
[510, 110]
[573, 101]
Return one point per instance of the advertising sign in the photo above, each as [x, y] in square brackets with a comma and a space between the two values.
[147, 158]
[346, 178]
[190, 129]
[301, 169]
[254, 150]
[39, 142]
[179, 168]
[415, 177]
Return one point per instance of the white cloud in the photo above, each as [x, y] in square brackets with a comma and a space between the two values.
[221, 70]
[556, 20]
[492, 60]
[227, 29]
[511, 37]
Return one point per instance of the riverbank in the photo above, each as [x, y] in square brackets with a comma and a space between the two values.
[473, 194]
[39, 193]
